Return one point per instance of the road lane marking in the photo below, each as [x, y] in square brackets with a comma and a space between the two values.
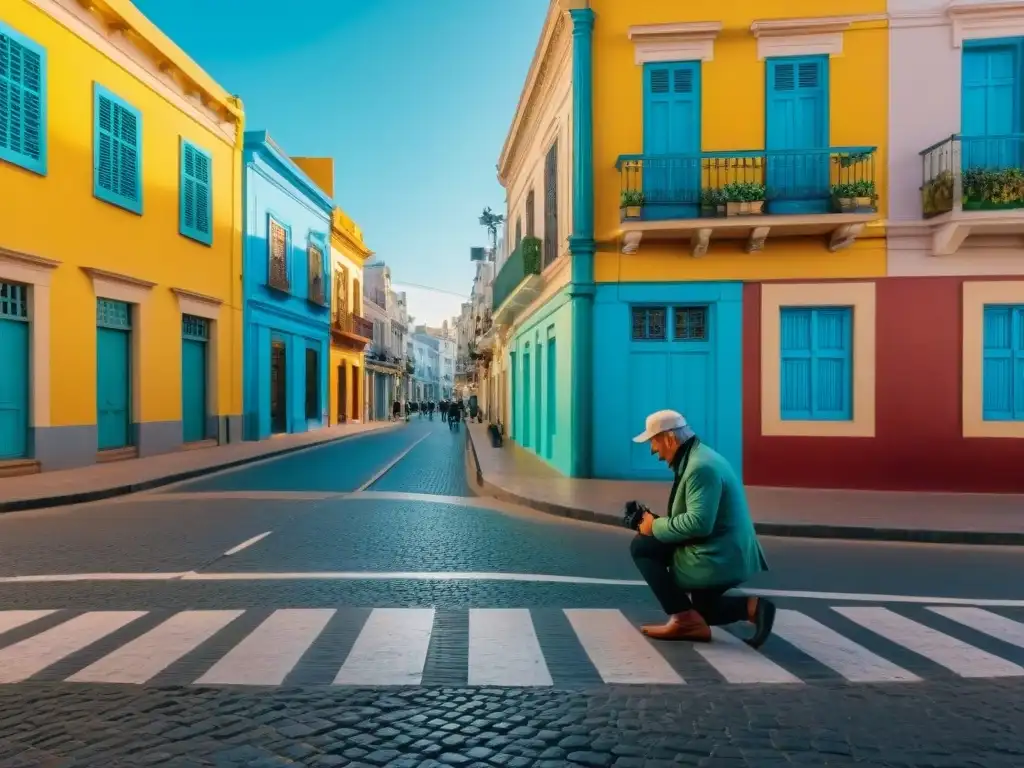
[390, 465]
[271, 650]
[737, 662]
[492, 576]
[32, 655]
[504, 650]
[403, 576]
[823, 644]
[391, 648]
[617, 649]
[13, 619]
[955, 655]
[146, 656]
[986, 622]
[246, 544]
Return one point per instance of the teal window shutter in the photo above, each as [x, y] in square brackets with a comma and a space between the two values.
[117, 151]
[196, 194]
[22, 101]
[1003, 364]
[816, 348]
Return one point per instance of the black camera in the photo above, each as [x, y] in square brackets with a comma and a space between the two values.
[633, 514]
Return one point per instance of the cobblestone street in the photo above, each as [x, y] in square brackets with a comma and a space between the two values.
[353, 604]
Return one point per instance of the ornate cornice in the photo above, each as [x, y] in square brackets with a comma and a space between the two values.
[347, 236]
[543, 68]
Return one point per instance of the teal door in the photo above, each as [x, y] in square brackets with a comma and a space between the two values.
[113, 374]
[990, 104]
[797, 140]
[552, 411]
[194, 339]
[527, 414]
[672, 163]
[14, 372]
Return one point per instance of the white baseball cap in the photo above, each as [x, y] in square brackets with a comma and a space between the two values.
[661, 421]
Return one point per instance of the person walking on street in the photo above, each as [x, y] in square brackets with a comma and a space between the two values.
[705, 546]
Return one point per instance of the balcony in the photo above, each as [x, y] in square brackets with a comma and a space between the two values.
[972, 185]
[518, 282]
[351, 329]
[747, 195]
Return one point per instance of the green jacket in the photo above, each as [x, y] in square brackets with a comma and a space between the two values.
[709, 518]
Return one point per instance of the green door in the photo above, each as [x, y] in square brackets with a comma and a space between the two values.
[195, 333]
[113, 374]
[14, 376]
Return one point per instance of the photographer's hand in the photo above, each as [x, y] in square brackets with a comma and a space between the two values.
[646, 527]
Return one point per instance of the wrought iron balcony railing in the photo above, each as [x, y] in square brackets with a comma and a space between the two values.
[522, 262]
[353, 324]
[708, 184]
[973, 173]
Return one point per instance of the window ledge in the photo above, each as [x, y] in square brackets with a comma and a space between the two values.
[983, 22]
[675, 42]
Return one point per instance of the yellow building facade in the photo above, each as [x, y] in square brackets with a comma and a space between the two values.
[723, 107]
[350, 331]
[721, 150]
[120, 241]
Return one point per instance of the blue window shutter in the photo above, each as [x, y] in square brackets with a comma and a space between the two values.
[196, 194]
[672, 126]
[22, 101]
[816, 347]
[990, 86]
[796, 365]
[117, 151]
[797, 118]
[1003, 364]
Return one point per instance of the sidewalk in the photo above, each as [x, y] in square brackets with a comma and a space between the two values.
[103, 481]
[515, 475]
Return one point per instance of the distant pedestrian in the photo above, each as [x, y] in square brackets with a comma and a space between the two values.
[396, 410]
[705, 546]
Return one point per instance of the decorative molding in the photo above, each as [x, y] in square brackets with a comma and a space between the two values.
[912, 19]
[554, 37]
[111, 285]
[802, 37]
[198, 304]
[983, 22]
[156, 62]
[692, 41]
[30, 260]
[699, 241]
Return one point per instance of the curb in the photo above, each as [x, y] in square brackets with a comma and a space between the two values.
[85, 497]
[783, 530]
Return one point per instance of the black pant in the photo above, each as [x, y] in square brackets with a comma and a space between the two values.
[654, 561]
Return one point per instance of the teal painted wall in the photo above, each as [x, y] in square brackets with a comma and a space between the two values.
[542, 396]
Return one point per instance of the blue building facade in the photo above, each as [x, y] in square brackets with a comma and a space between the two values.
[286, 272]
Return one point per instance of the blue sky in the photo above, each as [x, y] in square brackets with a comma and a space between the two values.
[412, 99]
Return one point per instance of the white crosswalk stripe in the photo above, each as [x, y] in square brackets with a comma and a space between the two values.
[617, 649]
[496, 647]
[504, 650]
[955, 655]
[270, 651]
[391, 649]
[148, 655]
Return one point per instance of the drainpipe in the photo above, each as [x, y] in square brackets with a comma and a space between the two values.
[236, 301]
[581, 243]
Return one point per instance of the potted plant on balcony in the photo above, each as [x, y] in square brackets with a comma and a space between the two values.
[937, 195]
[631, 204]
[988, 189]
[712, 202]
[854, 197]
[744, 198]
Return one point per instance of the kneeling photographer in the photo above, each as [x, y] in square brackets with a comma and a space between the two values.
[706, 546]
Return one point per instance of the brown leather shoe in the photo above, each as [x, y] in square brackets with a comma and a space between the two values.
[688, 625]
